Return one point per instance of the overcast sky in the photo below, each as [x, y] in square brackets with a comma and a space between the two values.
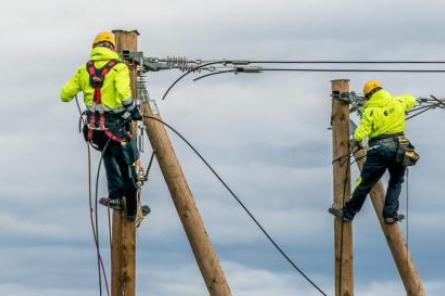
[265, 134]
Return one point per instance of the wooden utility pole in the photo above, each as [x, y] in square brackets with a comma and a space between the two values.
[123, 245]
[344, 280]
[203, 250]
[405, 264]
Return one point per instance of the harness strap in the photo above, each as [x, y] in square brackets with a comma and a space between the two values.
[97, 77]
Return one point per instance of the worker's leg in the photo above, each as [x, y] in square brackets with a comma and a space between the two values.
[372, 171]
[128, 174]
[396, 173]
[112, 170]
[114, 178]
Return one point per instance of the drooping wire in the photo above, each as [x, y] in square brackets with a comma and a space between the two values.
[101, 266]
[238, 200]
[104, 273]
[186, 74]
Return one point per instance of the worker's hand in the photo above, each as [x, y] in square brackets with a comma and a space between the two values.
[354, 145]
[135, 114]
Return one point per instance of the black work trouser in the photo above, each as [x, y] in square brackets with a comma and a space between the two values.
[379, 158]
[121, 175]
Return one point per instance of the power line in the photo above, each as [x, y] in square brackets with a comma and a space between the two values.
[344, 62]
[238, 200]
[242, 68]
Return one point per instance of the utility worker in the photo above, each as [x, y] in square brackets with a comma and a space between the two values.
[105, 83]
[383, 123]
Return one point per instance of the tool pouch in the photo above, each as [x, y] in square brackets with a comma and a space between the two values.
[406, 154]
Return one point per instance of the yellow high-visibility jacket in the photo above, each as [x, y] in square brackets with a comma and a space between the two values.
[383, 114]
[116, 91]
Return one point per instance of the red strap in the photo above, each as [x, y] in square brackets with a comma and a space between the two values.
[91, 123]
[99, 74]
[97, 95]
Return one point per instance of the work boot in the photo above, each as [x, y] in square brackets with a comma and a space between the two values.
[114, 203]
[395, 219]
[338, 213]
[131, 210]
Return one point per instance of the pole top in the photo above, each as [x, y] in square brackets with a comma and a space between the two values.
[125, 31]
[340, 80]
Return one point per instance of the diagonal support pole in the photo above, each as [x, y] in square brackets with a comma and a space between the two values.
[393, 234]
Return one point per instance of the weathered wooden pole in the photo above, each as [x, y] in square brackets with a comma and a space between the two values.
[123, 245]
[405, 264]
[203, 250]
[344, 279]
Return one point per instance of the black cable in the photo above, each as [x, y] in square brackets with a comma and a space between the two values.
[101, 266]
[150, 163]
[93, 224]
[238, 200]
[215, 73]
[343, 62]
[187, 73]
[350, 70]
[96, 212]
[423, 111]
[415, 109]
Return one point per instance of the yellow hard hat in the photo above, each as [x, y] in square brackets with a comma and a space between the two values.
[104, 36]
[370, 86]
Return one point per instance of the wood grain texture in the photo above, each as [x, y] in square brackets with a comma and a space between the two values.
[394, 237]
[202, 248]
[344, 274]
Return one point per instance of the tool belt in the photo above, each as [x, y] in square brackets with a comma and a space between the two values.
[99, 133]
[405, 151]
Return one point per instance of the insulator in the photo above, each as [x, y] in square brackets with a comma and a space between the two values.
[182, 63]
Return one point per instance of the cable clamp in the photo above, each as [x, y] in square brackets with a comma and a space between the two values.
[341, 96]
[347, 97]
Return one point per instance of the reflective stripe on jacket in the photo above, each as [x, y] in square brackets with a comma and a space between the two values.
[116, 91]
[383, 114]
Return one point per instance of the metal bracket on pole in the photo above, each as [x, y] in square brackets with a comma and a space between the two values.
[347, 97]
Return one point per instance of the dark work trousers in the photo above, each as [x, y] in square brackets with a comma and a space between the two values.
[121, 175]
[379, 158]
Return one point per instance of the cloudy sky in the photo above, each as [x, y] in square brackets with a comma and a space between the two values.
[265, 134]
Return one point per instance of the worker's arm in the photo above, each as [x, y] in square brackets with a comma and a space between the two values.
[123, 89]
[364, 128]
[71, 88]
[408, 101]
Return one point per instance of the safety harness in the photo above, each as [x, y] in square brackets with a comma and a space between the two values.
[97, 77]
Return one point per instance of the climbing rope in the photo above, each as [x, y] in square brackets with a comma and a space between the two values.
[93, 211]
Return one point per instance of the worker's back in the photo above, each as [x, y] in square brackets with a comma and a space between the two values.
[116, 85]
[384, 114]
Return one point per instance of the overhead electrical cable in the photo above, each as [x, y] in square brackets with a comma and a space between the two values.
[238, 200]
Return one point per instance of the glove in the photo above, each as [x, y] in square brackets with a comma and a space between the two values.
[133, 115]
[353, 144]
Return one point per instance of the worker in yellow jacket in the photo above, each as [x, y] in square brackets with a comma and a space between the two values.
[105, 83]
[383, 123]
